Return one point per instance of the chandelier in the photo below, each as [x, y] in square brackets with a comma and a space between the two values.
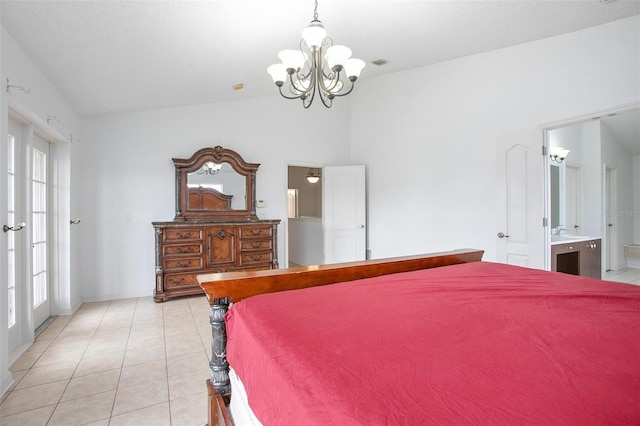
[317, 66]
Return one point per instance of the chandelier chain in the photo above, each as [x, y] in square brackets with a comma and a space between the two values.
[315, 11]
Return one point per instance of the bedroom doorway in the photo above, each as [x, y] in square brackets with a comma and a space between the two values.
[604, 148]
[304, 216]
[326, 220]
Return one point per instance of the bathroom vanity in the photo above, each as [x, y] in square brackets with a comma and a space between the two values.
[576, 255]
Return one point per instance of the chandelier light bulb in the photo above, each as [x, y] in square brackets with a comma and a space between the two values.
[337, 57]
[278, 73]
[353, 67]
[292, 59]
[314, 34]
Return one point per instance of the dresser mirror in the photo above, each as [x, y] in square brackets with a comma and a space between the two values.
[215, 184]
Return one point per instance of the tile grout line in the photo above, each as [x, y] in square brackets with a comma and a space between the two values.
[113, 404]
[84, 352]
[166, 364]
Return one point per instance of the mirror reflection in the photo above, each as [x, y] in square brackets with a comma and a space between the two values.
[216, 186]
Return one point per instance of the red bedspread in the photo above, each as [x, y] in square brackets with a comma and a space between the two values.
[478, 343]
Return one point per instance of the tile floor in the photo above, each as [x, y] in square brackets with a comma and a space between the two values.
[626, 275]
[121, 362]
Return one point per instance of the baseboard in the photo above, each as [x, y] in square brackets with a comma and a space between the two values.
[115, 296]
[5, 386]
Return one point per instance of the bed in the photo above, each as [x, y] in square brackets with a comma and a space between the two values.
[433, 339]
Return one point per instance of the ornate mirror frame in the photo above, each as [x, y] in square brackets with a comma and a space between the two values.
[218, 155]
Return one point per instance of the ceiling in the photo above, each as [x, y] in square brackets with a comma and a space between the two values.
[625, 128]
[114, 56]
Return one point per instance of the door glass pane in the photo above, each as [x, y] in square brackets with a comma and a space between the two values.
[11, 245]
[39, 223]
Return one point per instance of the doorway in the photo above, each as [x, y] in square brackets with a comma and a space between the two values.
[326, 215]
[28, 240]
[601, 169]
[304, 221]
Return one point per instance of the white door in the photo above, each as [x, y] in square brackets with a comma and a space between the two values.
[344, 213]
[573, 201]
[520, 231]
[40, 230]
[17, 290]
[609, 219]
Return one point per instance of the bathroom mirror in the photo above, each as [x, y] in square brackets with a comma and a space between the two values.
[215, 184]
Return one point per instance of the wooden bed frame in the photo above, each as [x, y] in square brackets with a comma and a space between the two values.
[223, 288]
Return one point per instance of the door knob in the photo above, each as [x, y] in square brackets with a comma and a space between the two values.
[502, 235]
[7, 228]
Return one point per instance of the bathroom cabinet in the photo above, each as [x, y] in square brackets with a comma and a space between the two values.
[582, 257]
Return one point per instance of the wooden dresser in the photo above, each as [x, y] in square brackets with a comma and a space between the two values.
[185, 250]
[216, 228]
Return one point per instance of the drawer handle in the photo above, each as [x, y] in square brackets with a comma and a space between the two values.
[182, 250]
[221, 235]
[184, 236]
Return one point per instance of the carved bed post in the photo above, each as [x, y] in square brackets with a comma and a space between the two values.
[219, 376]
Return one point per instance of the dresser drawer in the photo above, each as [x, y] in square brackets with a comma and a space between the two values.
[186, 249]
[260, 257]
[256, 231]
[181, 280]
[182, 249]
[250, 245]
[170, 235]
[183, 263]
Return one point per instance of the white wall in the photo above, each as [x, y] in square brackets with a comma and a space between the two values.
[43, 100]
[305, 241]
[428, 136]
[636, 199]
[592, 178]
[128, 175]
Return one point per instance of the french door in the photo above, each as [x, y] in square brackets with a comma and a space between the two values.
[27, 275]
[40, 230]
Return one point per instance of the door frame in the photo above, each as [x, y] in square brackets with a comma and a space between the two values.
[547, 174]
[285, 222]
[64, 298]
[609, 234]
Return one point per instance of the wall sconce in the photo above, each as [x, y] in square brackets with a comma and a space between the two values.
[558, 154]
[7, 228]
[313, 175]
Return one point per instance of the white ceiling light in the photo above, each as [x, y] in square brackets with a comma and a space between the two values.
[558, 154]
[317, 66]
[313, 175]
